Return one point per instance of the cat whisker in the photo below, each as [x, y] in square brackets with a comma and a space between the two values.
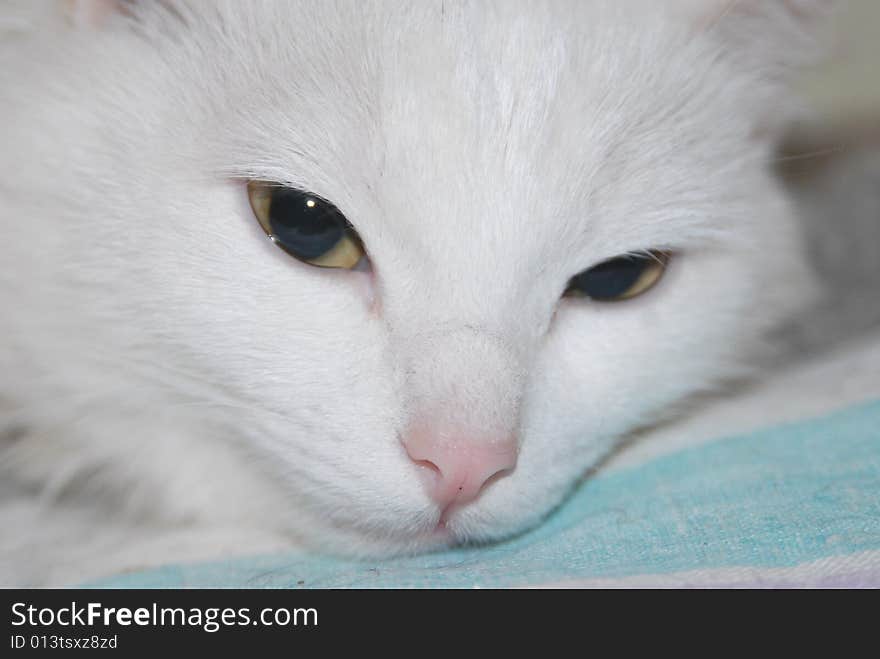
[818, 153]
[719, 16]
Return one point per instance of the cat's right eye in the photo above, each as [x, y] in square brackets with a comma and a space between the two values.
[306, 226]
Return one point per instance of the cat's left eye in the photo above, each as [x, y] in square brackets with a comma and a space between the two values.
[621, 278]
[306, 226]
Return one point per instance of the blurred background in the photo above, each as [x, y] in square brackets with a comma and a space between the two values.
[847, 85]
[832, 165]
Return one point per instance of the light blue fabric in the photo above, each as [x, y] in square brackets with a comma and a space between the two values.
[775, 498]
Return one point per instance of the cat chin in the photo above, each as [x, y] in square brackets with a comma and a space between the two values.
[470, 527]
[376, 545]
[432, 532]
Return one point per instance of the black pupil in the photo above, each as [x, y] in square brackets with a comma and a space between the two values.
[611, 279]
[305, 225]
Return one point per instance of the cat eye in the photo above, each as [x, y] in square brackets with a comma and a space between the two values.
[621, 278]
[305, 226]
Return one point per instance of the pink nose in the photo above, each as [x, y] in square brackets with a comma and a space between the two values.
[456, 472]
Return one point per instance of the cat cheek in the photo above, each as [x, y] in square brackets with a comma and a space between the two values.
[364, 280]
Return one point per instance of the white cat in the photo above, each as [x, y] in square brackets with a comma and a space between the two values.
[503, 235]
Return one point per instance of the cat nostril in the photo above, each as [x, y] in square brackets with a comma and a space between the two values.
[457, 472]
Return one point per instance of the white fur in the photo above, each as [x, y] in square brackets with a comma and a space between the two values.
[162, 361]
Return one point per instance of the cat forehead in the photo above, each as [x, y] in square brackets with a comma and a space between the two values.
[471, 114]
[463, 75]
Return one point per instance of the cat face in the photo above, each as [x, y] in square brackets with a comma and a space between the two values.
[485, 154]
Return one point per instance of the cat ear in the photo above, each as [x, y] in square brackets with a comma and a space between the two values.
[780, 32]
[94, 13]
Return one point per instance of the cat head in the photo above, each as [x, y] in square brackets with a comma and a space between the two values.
[454, 378]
